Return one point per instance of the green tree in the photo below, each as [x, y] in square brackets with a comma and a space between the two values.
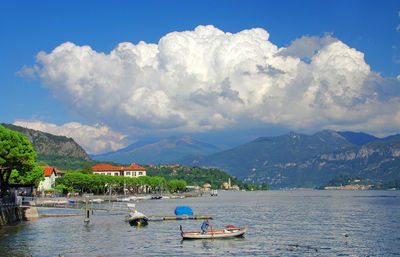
[175, 185]
[251, 187]
[71, 180]
[181, 185]
[87, 169]
[105, 180]
[15, 153]
[33, 176]
[264, 186]
[156, 183]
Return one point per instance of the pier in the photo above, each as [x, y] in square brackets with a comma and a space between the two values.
[180, 217]
[86, 204]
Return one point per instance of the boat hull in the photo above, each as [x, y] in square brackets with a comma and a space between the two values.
[138, 222]
[224, 233]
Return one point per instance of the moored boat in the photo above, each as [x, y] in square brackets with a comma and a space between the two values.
[137, 219]
[127, 199]
[97, 200]
[229, 231]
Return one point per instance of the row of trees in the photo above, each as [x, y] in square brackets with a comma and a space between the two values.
[93, 183]
[195, 175]
[254, 187]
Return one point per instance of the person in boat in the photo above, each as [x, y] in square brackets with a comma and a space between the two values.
[204, 226]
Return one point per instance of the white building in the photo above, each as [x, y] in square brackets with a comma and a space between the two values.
[50, 175]
[132, 171]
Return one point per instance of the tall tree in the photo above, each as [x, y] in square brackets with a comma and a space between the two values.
[87, 169]
[15, 153]
[33, 176]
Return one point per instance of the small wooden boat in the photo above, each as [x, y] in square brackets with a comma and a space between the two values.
[229, 231]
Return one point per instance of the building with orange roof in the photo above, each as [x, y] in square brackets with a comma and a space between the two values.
[132, 171]
[50, 175]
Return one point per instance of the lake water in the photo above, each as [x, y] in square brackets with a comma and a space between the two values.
[281, 223]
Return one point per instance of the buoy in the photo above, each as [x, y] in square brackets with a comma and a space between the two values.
[346, 235]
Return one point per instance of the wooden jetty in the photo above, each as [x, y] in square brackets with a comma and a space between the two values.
[121, 207]
[46, 215]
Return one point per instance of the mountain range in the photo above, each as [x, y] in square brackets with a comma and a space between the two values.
[162, 152]
[290, 160]
[298, 160]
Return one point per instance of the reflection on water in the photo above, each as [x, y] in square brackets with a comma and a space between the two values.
[281, 223]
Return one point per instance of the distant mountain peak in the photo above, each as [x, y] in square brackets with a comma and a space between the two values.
[358, 138]
[167, 150]
[171, 142]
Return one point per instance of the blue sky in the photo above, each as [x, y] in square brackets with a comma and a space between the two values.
[40, 96]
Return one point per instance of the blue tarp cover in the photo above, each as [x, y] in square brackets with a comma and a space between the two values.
[183, 210]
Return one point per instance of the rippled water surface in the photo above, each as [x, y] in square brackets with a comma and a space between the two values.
[281, 223]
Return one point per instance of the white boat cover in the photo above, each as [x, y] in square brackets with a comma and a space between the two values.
[136, 215]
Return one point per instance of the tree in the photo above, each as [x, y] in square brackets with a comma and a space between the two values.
[33, 176]
[71, 180]
[155, 183]
[15, 153]
[251, 187]
[87, 169]
[175, 185]
[264, 186]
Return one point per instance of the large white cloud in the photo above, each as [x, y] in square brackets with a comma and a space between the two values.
[94, 139]
[208, 79]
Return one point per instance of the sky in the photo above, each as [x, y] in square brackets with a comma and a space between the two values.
[112, 73]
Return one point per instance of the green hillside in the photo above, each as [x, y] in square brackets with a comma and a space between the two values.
[57, 151]
[197, 176]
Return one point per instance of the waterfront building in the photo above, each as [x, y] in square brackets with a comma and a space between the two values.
[206, 187]
[132, 171]
[50, 175]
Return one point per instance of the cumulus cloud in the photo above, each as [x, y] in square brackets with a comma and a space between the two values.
[28, 72]
[306, 47]
[94, 139]
[208, 79]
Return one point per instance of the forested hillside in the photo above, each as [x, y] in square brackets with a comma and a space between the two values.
[58, 151]
[199, 176]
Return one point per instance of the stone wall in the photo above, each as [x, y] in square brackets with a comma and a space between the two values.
[10, 215]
